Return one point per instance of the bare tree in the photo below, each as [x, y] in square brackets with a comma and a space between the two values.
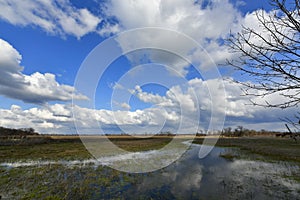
[270, 55]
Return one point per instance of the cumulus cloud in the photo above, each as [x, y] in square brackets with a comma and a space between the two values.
[204, 23]
[183, 101]
[55, 17]
[251, 21]
[58, 118]
[40, 119]
[209, 24]
[35, 88]
[198, 21]
[151, 98]
[173, 111]
[125, 106]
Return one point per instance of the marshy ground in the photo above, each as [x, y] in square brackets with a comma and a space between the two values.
[246, 167]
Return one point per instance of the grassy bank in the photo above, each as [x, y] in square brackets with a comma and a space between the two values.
[71, 148]
[284, 149]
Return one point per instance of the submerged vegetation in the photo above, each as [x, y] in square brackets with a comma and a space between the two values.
[61, 182]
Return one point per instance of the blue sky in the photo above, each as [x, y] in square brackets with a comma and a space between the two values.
[43, 46]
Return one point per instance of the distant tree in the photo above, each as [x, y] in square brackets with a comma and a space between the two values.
[227, 131]
[239, 131]
[271, 55]
[166, 133]
[201, 133]
[31, 130]
[27, 131]
[17, 132]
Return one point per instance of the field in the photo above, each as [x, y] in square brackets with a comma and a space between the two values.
[71, 147]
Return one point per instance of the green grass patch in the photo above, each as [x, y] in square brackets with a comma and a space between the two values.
[74, 149]
[280, 149]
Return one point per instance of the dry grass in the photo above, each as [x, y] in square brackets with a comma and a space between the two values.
[71, 147]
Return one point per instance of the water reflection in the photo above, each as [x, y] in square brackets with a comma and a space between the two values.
[216, 177]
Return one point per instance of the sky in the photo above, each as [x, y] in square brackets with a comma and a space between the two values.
[108, 66]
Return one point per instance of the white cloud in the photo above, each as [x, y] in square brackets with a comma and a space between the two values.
[34, 88]
[205, 24]
[125, 106]
[58, 118]
[182, 101]
[18, 118]
[122, 106]
[151, 98]
[55, 17]
[251, 21]
[189, 17]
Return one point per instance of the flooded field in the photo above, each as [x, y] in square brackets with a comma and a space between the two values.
[226, 173]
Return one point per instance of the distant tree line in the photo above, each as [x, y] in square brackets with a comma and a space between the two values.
[17, 132]
[166, 133]
[162, 133]
[240, 131]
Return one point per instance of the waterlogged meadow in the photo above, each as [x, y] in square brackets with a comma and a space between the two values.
[226, 173]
